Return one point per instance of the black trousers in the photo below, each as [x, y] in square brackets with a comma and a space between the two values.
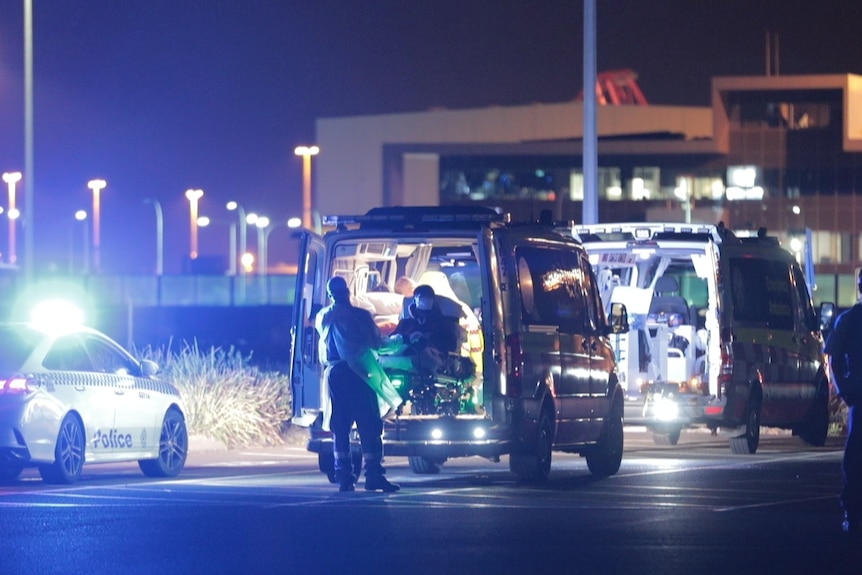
[851, 495]
[353, 401]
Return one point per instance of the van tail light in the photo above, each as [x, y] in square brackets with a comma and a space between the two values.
[726, 370]
[16, 386]
[515, 371]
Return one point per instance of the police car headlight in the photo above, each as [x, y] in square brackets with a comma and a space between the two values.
[436, 433]
[479, 433]
[666, 409]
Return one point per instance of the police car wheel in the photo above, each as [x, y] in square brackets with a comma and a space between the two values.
[666, 436]
[173, 447]
[68, 453]
[424, 466]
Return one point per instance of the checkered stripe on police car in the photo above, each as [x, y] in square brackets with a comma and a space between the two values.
[87, 379]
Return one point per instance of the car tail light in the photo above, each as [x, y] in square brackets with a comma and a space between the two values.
[514, 373]
[15, 386]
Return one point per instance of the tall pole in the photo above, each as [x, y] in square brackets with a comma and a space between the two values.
[262, 223]
[28, 142]
[97, 186]
[194, 197]
[306, 152]
[243, 232]
[160, 236]
[81, 216]
[591, 201]
[12, 178]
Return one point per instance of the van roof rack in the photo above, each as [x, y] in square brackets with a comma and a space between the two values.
[421, 217]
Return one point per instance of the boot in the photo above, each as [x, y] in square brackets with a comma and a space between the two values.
[344, 472]
[375, 479]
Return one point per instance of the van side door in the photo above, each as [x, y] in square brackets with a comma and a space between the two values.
[305, 370]
[600, 350]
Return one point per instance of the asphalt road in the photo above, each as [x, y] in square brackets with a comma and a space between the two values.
[691, 508]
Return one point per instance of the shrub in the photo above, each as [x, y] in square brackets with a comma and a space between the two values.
[226, 398]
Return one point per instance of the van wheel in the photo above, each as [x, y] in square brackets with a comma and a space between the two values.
[746, 444]
[667, 436]
[817, 428]
[604, 459]
[424, 466]
[533, 464]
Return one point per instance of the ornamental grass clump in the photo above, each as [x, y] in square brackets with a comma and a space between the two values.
[227, 399]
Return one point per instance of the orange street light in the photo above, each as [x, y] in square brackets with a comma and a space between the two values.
[194, 197]
[306, 152]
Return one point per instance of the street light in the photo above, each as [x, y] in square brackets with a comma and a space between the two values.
[262, 224]
[243, 233]
[97, 186]
[160, 236]
[81, 216]
[12, 178]
[194, 197]
[306, 152]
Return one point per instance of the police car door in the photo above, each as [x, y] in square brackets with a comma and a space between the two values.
[305, 370]
[136, 424]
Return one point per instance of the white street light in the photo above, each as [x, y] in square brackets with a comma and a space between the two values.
[81, 216]
[243, 233]
[97, 186]
[194, 197]
[12, 178]
[160, 236]
[306, 152]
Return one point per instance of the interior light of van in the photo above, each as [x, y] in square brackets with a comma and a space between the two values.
[436, 433]
[479, 433]
[397, 381]
[666, 409]
[643, 233]
[644, 253]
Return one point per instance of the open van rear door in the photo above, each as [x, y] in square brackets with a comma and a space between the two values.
[305, 369]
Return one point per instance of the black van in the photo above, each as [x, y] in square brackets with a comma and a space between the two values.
[535, 372]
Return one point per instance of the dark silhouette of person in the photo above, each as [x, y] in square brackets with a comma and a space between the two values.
[432, 319]
[347, 334]
[844, 357]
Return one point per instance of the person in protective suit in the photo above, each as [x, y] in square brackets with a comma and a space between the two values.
[348, 335]
[843, 351]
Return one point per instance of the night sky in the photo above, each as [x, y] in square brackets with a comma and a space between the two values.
[157, 96]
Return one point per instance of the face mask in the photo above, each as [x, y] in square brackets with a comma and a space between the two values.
[424, 303]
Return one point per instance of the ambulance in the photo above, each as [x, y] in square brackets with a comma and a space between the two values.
[723, 333]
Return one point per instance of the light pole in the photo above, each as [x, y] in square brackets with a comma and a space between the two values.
[306, 152]
[194, 197]
[12, 178]
[262, 224]
[81, 216]
[243, 232]
[205, 221]
[160, 235]
[97, 186]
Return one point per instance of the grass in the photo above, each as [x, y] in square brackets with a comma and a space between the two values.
[226, 398]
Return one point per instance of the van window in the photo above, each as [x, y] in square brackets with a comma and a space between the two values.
[551, 287]
[761, 292]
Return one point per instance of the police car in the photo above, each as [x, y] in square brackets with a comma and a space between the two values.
[72, 395]
[724, 333]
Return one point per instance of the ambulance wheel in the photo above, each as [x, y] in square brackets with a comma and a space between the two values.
[666, 436]
[326, 464]
[817, 427]
[532, 464]
[424, 466]
[746, 444]
[605, 458]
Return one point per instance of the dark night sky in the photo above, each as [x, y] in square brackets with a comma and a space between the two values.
[157, 96]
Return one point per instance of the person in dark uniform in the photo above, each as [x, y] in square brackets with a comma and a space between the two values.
[844, 356]
[347, 334]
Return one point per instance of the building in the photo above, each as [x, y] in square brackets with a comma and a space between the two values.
[781, 152]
